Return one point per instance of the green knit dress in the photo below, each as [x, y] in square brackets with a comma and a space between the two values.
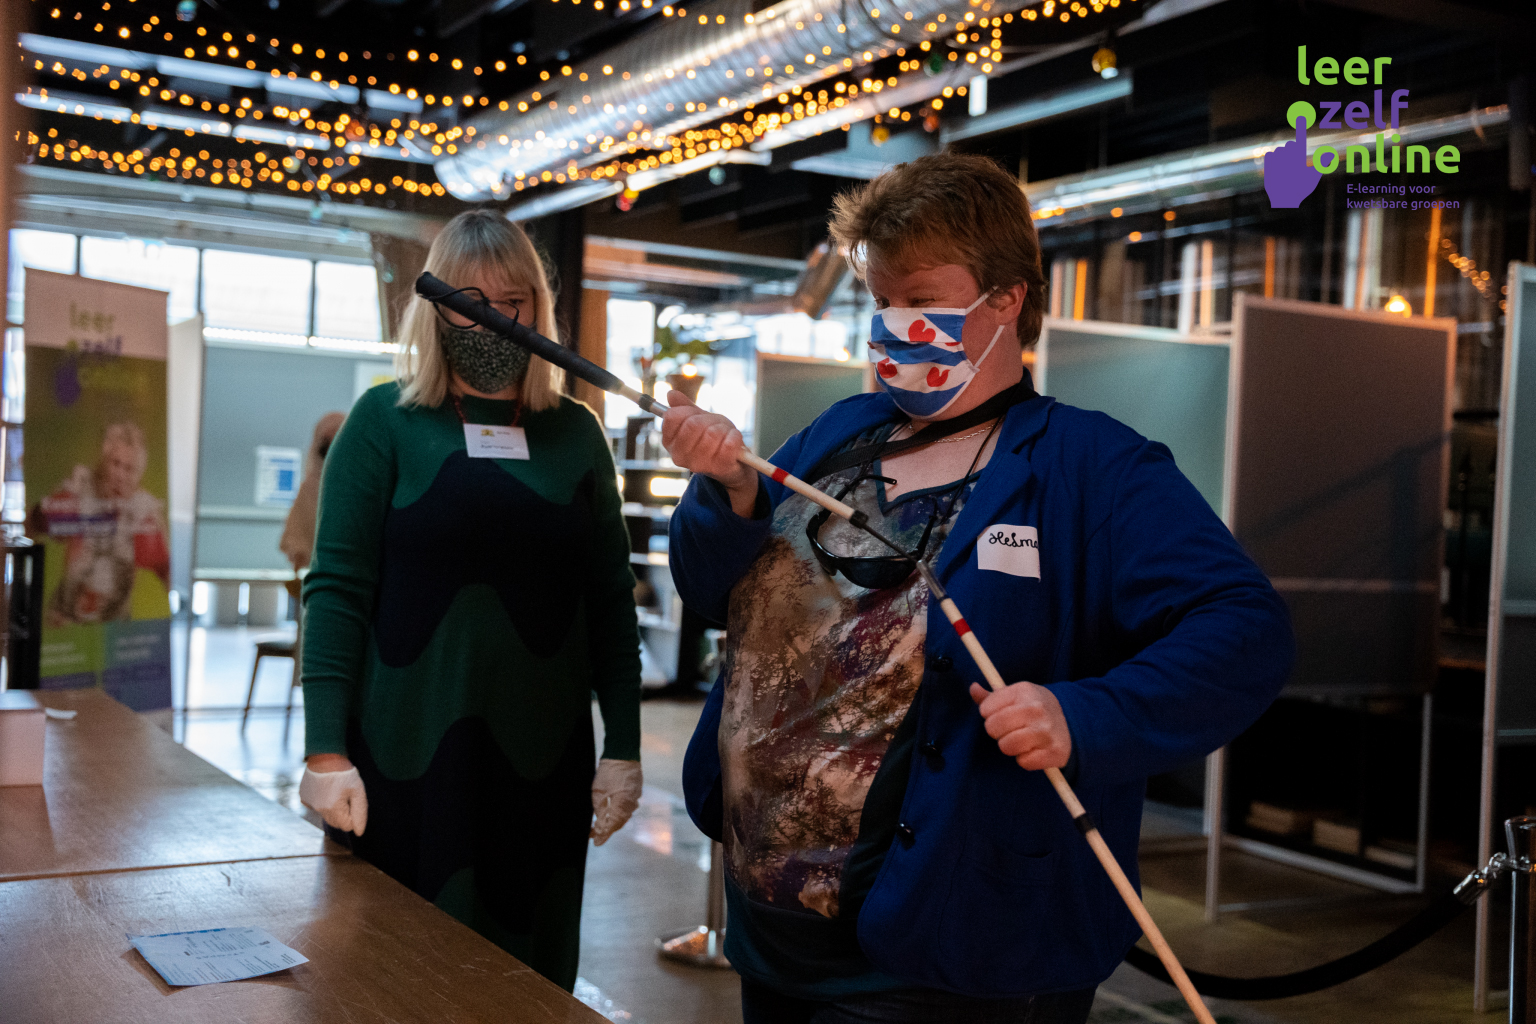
[459, 614]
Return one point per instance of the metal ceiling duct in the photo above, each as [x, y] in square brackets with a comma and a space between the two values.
[824, 273]
[720, 53]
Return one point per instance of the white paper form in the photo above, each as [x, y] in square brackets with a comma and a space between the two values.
[215, 954]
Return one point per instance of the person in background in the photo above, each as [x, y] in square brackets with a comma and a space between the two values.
[893, 851]
[298, 540]
[470, 591]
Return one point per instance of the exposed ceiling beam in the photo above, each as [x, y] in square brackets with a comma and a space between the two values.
[453, 16]
[62, 189]
[1074, 99]
[1443, 14]
[642, 180]
[196, 70]
[1165, 10]
[664, 69]
[864, 160]
[693, 252]
[80, 105]
[90, 106]
[600, 267]
[565, 199]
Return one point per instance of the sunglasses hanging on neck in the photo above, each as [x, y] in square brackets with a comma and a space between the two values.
[882, 572]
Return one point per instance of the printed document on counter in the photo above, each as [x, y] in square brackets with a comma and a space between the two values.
[215, 954]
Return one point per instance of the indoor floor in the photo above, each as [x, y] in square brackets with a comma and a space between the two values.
[649, 880]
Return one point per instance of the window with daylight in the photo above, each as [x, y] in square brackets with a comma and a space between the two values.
[347, 301]
[249, 292]
[631, 333]
[147, 264]
[44, 250]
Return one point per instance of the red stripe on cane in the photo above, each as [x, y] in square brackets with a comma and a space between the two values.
[779, 476]
[961, 627]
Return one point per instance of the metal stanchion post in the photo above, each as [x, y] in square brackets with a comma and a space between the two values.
[703, 946]
[1215, 829]
[1521, 834]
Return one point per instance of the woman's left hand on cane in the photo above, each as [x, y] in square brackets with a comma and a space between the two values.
[1027, 722]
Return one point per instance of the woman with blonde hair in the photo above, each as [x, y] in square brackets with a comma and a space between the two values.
[470, 591]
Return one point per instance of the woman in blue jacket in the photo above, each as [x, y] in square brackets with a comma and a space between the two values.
[886, 857]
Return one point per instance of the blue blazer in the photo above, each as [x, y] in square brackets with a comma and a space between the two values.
[1159, 636]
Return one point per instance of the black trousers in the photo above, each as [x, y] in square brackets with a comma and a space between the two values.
[762, 1005]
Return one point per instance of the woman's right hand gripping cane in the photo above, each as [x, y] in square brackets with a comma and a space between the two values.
[708, 443]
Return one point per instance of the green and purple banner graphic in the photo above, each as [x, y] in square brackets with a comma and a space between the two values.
[96, 482]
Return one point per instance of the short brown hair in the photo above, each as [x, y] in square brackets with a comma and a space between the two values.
[947, 208]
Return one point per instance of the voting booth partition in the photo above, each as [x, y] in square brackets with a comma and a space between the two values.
[1512, 628]
[1172, 388]
[1509, 696]
[793, 390]
[1164, 385]
[1340, 425]
[1338, 456]
[1320, 434]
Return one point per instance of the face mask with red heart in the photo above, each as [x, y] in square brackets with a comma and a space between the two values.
[920, 360]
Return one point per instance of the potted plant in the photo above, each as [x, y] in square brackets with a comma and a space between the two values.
[678, 356]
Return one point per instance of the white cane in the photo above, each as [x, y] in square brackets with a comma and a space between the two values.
[433, 290]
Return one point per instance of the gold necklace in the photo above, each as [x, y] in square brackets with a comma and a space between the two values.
[950, 440]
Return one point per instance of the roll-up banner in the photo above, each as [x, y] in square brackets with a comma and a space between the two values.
[96, 482]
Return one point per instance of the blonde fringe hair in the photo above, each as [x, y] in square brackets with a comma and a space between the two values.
[471, 241]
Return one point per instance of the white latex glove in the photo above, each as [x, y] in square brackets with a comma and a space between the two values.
[338, 797]
[615, 795]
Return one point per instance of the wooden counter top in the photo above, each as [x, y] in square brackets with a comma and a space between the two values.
[377, 951]
[119, 794]
[132, 834]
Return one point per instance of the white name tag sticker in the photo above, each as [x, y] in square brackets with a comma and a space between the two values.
[1011, 549]
[488, 442]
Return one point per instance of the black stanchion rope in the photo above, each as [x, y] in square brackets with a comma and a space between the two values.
[1394, 944]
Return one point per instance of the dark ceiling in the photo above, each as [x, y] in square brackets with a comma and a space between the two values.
[1196, 79]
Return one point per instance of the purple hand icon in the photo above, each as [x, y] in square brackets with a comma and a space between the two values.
[1287, 178]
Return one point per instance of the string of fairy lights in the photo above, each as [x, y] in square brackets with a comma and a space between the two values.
[221, 47]
[225, 47]
[1480, 279]
[975, 42]
[197, 166]
[795, 104]
[353, 127]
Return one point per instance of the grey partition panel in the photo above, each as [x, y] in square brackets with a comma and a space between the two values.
[1515, 632]
[251, 398]
[792, 391]
[1164, 385]
[1339, 448]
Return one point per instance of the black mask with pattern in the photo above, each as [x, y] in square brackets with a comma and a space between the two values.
[486, 362]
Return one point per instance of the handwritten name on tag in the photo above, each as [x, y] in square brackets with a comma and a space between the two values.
[1011, 549]
[488, 442]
